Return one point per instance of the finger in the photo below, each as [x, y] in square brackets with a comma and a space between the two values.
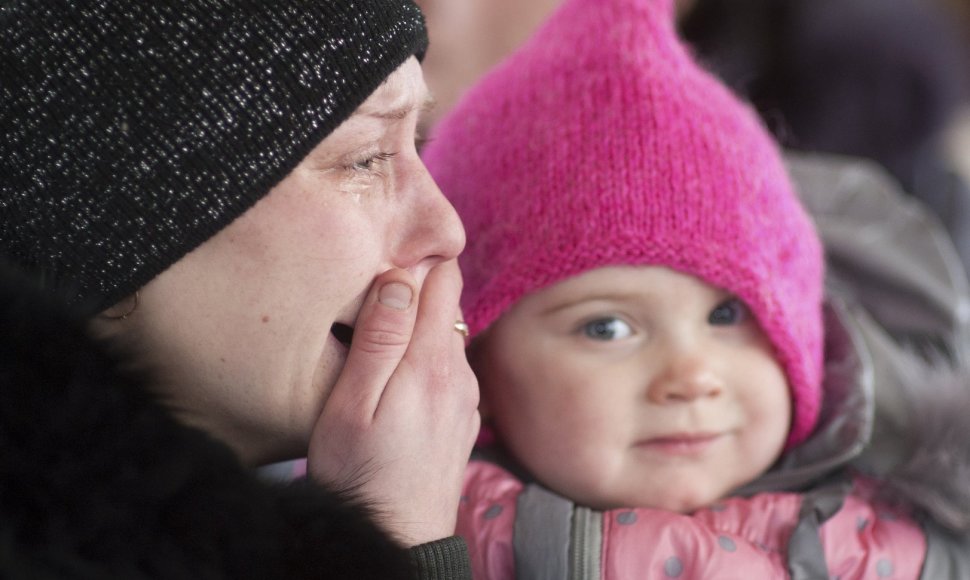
[439, 310]
[451, 387]
[382, 334]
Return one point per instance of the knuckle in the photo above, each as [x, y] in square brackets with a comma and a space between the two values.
[475, 424]
[471, 393]
[459, 384]
[473, 398]
[380, 339]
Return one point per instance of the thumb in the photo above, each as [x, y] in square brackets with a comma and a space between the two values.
[382, 334]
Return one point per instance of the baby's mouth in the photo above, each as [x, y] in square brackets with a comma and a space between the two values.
[343, 333]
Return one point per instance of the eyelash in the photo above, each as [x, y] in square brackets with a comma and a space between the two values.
[372, 163]
[739, 313]
[602, 322]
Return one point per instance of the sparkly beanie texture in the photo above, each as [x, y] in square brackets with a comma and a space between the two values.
[134, 131]
[601, 142]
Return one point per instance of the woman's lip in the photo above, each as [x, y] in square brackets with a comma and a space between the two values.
[680, 443]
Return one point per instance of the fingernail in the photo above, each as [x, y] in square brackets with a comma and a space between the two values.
[395, 295]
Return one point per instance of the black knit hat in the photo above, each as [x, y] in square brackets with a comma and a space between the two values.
[131, 132]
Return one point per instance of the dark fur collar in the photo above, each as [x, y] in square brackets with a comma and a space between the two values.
[98, 480]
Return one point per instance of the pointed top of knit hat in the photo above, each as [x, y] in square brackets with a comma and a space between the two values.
[601, 142]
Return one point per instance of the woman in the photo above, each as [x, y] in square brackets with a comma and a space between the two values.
[233, 189]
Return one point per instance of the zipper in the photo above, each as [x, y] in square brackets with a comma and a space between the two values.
[585, 544]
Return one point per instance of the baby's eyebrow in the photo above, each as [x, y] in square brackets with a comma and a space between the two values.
[604, 296]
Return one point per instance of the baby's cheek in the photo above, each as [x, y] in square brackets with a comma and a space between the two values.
[586, 473]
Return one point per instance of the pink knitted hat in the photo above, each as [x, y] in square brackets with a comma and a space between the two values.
[601, 142]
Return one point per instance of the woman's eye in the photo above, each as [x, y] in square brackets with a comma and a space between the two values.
[729, 312]
[607, 329]
[372, 162]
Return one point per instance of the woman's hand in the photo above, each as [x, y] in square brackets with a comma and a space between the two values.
[401, 420]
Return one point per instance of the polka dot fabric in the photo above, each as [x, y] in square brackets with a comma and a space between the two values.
[602, 143]
[486, 516]
[736, 538]
[747, 538]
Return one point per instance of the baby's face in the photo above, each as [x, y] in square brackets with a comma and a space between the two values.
[635, 387]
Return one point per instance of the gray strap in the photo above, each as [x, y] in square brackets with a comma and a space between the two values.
[806, 557]
[540, 539]
[947, 555]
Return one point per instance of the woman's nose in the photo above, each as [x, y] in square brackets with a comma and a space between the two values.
[432, 232]
[685, 378]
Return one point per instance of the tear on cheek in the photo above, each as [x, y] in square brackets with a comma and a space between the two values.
[343, 333]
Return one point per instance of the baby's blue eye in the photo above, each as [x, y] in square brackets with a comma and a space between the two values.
[729, 312]
[608, 328]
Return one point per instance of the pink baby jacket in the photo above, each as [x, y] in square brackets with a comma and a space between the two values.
[736, 538]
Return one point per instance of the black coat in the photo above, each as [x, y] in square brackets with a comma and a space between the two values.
[98, 480]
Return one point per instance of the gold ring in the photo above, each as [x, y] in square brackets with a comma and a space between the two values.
[461, 328]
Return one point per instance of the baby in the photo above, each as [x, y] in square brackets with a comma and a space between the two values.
[645, 295]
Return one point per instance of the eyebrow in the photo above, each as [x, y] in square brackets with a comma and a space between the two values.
[604, 297]
[402, 112]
